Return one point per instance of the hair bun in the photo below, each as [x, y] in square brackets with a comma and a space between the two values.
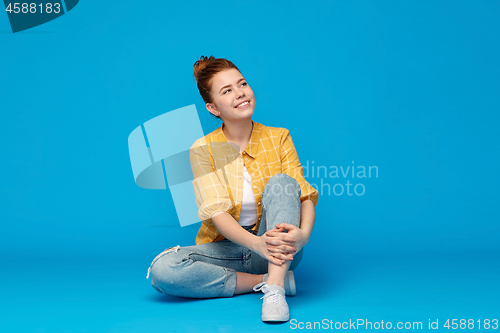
[204, 71]
[200, 65]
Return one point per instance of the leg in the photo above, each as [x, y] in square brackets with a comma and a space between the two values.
[280, 204]
[200, 271]
[246, 281]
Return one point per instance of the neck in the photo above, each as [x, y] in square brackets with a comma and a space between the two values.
[238, 132]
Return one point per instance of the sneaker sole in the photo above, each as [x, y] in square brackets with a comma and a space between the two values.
[276, 318]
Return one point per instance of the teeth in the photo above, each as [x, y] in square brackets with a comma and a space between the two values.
[242, 104]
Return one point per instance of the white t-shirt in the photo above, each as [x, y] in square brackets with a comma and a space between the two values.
[248, 215]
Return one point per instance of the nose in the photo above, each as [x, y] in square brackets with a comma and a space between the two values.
[240, 92]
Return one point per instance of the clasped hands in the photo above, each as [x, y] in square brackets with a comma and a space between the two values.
[277, 246]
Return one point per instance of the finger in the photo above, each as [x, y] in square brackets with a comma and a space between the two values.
[286, 238]
[283, 256]
[282, 236]
[288, 249]
[274, 232]
[282, 249]
[274, 249]
[275, 260]
[286, 226]
[274, 241]
[277, 242]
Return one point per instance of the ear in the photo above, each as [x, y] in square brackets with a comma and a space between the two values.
[211, 109]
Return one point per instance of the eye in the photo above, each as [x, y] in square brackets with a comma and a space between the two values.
[244, 84]
[226, 91]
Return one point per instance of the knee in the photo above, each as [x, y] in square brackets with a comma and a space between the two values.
[282, 184]
[165, 273]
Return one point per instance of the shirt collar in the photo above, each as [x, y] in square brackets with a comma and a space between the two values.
[253, 144]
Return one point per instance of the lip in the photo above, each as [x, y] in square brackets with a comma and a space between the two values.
[236, 107]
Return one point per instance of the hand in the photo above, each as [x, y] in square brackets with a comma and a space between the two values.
[276, 247]
[301, 238]
[280, 243]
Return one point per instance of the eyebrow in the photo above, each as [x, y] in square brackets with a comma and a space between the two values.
[242, 79]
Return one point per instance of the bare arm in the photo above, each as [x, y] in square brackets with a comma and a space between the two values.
[307, 217]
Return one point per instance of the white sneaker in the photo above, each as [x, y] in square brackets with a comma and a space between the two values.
[274, 306]
[290, 289]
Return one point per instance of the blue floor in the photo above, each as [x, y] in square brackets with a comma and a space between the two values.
[40, 295]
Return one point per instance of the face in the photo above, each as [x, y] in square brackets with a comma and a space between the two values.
[229, 91]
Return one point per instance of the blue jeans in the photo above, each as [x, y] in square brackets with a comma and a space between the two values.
[209, 270]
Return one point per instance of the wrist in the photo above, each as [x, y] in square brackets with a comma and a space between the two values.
[307, 235]
[252, 245]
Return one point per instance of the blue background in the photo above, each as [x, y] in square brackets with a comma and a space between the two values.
[411, 87]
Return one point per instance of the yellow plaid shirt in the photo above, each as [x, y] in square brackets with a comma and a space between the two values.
[217, 167]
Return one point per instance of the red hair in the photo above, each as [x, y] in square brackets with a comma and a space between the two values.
[204, 72]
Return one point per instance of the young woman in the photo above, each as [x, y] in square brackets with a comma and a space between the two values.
[257, 209]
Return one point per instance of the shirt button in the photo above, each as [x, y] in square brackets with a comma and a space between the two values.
[246, 159]
[255, 186]
[259, 203]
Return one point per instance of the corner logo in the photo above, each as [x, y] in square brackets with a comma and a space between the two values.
[26, 15]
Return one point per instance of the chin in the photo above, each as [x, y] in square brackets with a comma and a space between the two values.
[246, 113]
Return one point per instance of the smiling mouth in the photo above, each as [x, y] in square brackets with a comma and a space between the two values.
[243, 105]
